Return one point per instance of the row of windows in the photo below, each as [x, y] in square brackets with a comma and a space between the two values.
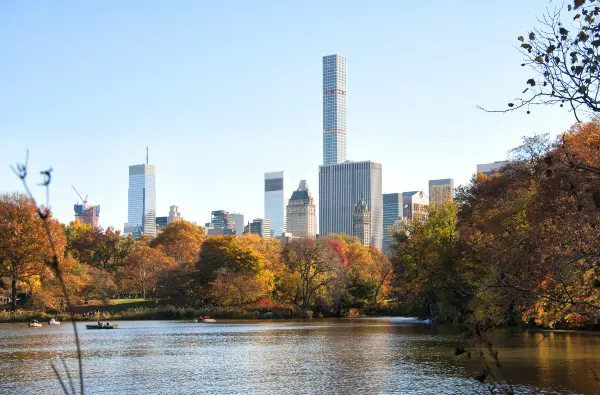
[337, 185]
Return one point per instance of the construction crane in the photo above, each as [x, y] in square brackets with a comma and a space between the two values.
[78, 194]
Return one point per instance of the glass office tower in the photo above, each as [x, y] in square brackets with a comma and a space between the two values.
[275, 199]
[392, 210]
[141, 211]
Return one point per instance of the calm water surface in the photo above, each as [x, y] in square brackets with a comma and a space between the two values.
[323, 356]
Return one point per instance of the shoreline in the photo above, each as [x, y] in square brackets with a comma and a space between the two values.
[187, 314]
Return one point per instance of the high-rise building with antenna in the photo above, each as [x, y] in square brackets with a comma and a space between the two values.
[141, 212]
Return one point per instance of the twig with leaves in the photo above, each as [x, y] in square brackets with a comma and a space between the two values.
[564, 58]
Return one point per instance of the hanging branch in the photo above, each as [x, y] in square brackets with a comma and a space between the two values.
[564, 60]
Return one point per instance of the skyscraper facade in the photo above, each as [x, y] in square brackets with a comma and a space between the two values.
[440, 191]
[161, 223]
[361, 223]
[340, 187]
[392, 210]
[221, 223]
[415, 205]
[491, 168]
[261, 227]
[275, 199]
[174, 214]
[141, 210]
[301, 213]
[239, 223]
[334, 109]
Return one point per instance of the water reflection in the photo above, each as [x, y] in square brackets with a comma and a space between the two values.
[322, 356]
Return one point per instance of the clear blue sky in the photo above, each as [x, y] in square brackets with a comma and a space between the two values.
[224, 91]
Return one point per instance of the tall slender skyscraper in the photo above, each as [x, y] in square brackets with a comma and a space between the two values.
[276, 187]
[141, 211]
[334, 109]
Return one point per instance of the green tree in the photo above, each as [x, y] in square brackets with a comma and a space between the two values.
[427, 270]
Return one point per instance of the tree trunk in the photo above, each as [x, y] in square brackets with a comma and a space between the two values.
[13, 304]
[143, 290]
[377, 292]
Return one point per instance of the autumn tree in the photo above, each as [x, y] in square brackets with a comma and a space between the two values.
[144, 266]
[563, 56]
[181, 240]
[531, 233]
[49, 293]
[231, 271]
[24, 244]
[369, 271]
[564, 218]
[380, 273]
[225, 252]
[315, 261]
[104, 249]
[100, 285]
[238, 287]
[495, 244]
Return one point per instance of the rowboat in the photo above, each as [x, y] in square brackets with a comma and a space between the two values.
[206, 319]
[101, 326]
[34, 324]
[53, 321]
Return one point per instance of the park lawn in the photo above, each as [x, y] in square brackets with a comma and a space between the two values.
[115, 305]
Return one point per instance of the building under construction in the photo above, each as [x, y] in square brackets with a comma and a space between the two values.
[86, 213]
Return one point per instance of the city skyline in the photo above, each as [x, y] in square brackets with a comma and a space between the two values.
[165, 98]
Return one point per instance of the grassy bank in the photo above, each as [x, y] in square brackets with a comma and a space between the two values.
[115, 313]
[153, 309]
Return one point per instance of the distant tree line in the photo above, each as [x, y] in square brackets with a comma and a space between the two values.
[329, 275]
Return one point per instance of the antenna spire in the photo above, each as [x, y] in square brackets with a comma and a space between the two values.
[146, 155]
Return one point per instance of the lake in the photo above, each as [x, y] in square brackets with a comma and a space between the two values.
[381, 355]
